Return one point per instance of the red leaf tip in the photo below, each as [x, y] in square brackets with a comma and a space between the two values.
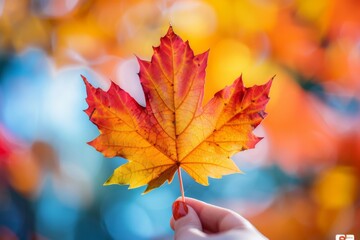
[85, 80]
[170, 31]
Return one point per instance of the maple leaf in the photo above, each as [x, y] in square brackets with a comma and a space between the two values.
[174, 130]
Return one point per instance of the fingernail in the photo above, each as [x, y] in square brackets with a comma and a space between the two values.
[179, 209]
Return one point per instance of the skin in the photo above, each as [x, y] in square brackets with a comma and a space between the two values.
[205, 221]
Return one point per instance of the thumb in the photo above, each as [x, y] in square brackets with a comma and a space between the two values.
[187, 224]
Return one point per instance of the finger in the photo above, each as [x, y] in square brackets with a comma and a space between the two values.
[188, 226]
[172, 222]
[244, 234]
[217, 219]
[175, 207]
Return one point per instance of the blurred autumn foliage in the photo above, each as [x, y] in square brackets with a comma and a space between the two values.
[311, 147]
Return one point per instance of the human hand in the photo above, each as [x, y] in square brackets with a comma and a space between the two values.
[197, 220]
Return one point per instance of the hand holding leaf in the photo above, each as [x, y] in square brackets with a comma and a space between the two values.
[174, 130]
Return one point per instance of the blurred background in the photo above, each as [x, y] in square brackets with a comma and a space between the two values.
[301, 181]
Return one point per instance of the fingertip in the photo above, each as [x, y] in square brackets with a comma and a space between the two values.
[189, 226]
[179, 209]
[190, 220]
[172, 222]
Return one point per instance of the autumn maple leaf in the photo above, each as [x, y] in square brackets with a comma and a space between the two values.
[174, 130]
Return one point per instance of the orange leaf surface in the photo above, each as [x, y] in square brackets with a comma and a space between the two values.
[174, 130]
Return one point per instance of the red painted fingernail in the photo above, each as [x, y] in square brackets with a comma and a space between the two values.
[179, 209]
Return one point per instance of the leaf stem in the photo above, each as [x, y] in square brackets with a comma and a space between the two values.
[181, 185]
